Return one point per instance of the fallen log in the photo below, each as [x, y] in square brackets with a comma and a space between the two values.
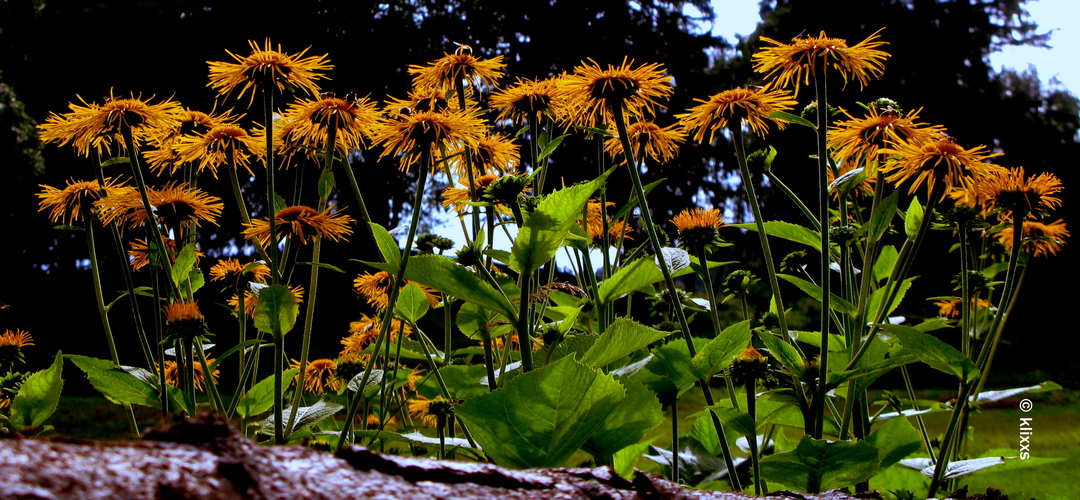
[205, 458]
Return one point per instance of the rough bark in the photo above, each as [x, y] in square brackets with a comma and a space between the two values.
[207, 459]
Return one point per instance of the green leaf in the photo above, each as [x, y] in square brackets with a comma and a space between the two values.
[233, 350]
[871, 371]
[881, 219]
[276, 310]
[185, 262]
[913, 218]
[388, 246]
[116, 384]
[639, 274]
[879, 295]
[447, 276]
[671, 362]
[785, 353]
[895, 439]
[548, 147]
[412, 303]
[326, 183]
[625, 460]
[306, 417]
[787, 231]
[939, 355]
[540, 418]
[623, 337]
[322, 265]
[835, 303]
[883, 266]
[633, 417]
[718, 353]
[120, 160]
[279, 203]
[790, 118]
[38, 396]
[260, 397]
[546, 228]
[817, 465]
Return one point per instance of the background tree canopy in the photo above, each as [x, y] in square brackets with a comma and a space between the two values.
[52, 51]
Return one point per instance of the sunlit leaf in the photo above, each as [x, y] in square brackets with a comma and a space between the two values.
[38, 396]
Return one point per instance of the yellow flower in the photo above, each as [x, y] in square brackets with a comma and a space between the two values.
[935, 160]
[415, 133]
[251, 299]
[528, 100]
[175, 203]
[1039, 239]
[376, 289]
[366, 330]
[98, 127]
[319, 376]
[857, 142]
[172, 375]
[235, 270]
[594, 91]
[184, 320]
[302, 223]
[1011, 191]
[433, 412]
[307, 125]
[750, 105]
[264, 67]
[226, 144]
[11, 344]
[648, 139]
[951, 308]
[67, 205]
[490, 153]
[594, 225]
[139, 253]
[166, 156]
[699, 227]
[461, 66]
[805, 56]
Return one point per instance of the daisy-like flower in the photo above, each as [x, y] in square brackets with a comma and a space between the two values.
[98, 127]
[529, 100]
[699, 227]
[594, 91]
[376, 289]
[67, 205]
[307, 124]
[805, 56]
[302, 223]
[11, 344]
[139, 253]
[363, 332]
[1039, 239]
[251, 299]
[594, 225]
[751, 106]
[937, 159]
[858, 141]
[319, 376]
[265, 67]
[172, 374]
[1012, 191]
[951, 308]
[174, 204]
[461, 66]
[226, 144]
[415, 133]
[166, 156]
[184, 320]
[237, 272]
[432, 413]
[490, 153]
[456, 197]
[648, 139]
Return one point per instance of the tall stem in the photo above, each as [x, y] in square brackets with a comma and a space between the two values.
[823, 215]
[268, 118]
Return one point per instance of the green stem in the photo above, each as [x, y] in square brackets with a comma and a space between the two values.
[774, 180]
[1012, 280]
[755, 455]
[823, 213]
[279, 360]
[947, 441]
[268, 118]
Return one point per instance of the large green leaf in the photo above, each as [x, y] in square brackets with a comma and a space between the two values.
[639, 274]
[879, 295]
[785, 353]
[895, 439]
[276, 310]
[814, 291]
[623, 337]
[547, 226]
[447, 276]
[388, 247]
[38, 396]
[183, 265]
[816, 465]
[540, 418]
[412, 304]
[671, 362]
[637, 414]
[881, 219]
[718, 353]
[261, 396]
[116, 384]
[939, 355]
[787, 231]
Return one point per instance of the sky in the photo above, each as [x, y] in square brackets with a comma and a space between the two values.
[740, 17]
